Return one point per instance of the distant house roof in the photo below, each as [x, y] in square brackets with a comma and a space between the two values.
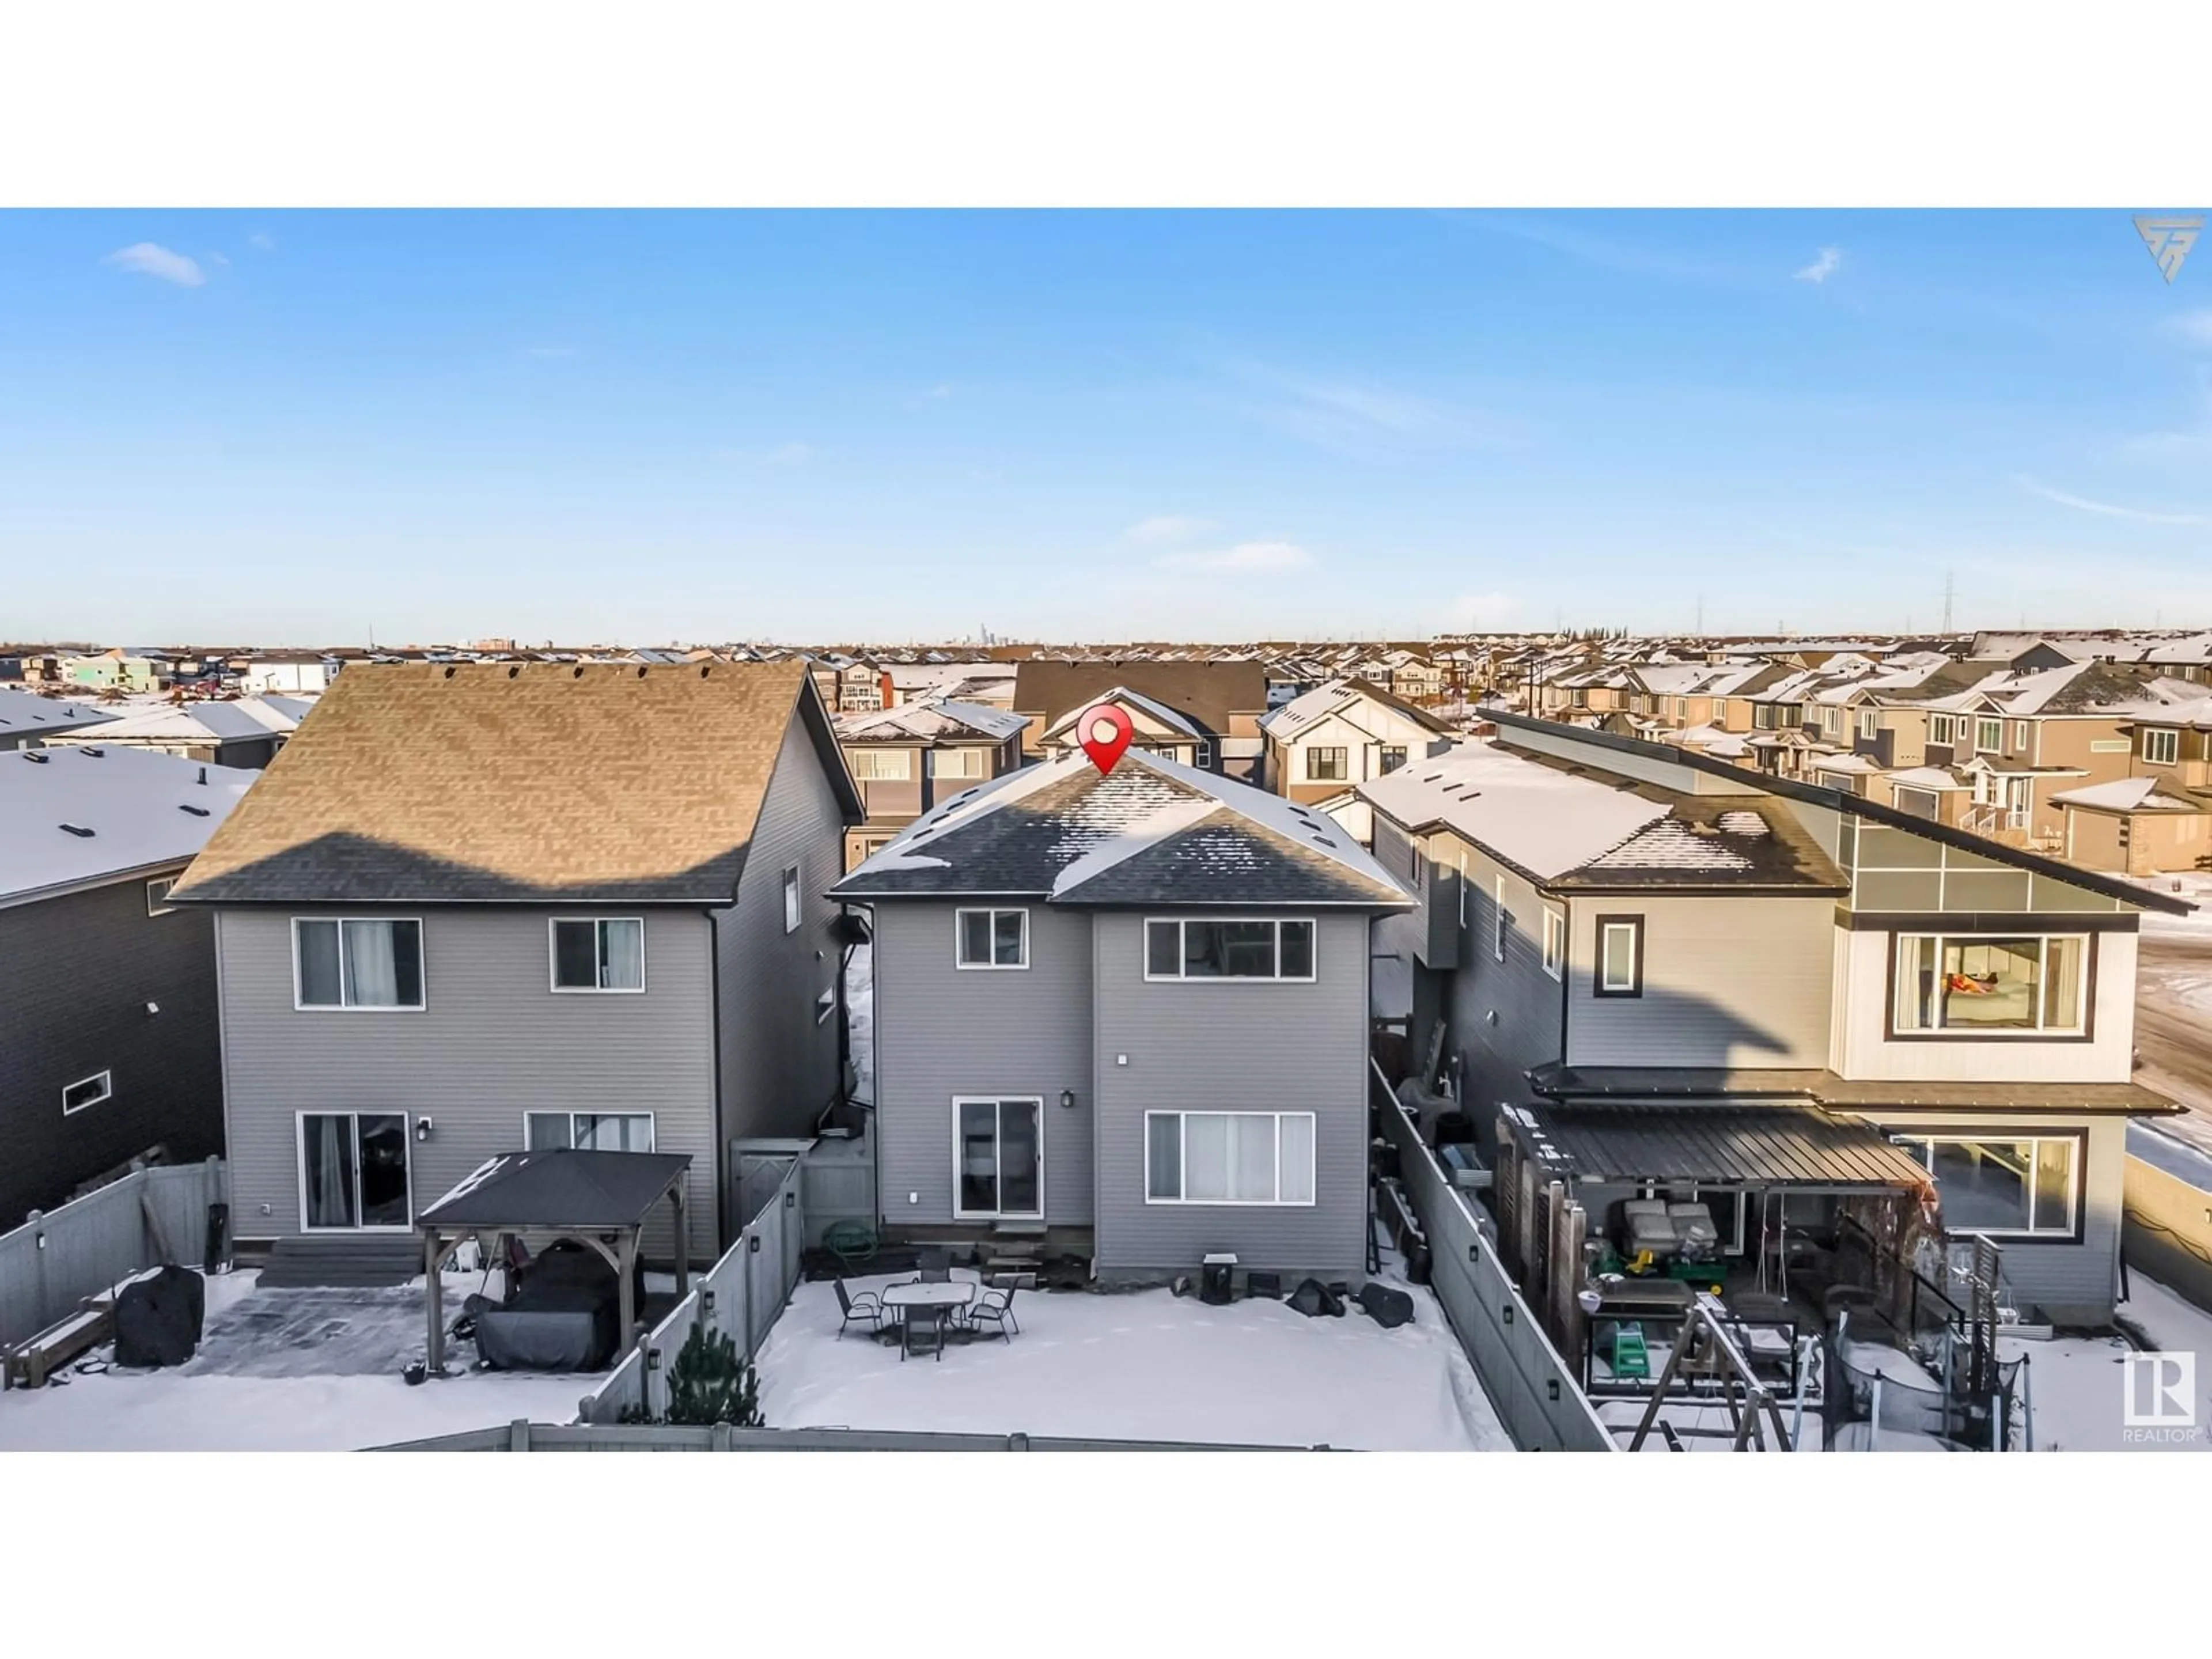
[76, 816]
[1206, 693]
[936, 720]
[2127, 795]
[26, 711]
[211, 722]
[1152, 832]
[1317, 705]
[522, 782]
[1171, 718]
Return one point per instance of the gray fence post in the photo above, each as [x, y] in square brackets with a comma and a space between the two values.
[518, 1435]
[36, 1221]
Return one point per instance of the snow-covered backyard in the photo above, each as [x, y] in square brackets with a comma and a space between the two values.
[244, 1392]
[1142, 1365]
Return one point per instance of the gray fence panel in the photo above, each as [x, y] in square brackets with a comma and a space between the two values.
[669, 1437]
[1535, 1393]
[92, 1243]
[837, 1182]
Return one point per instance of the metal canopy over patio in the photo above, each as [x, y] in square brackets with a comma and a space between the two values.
[600, 1200]
[1772, 1145]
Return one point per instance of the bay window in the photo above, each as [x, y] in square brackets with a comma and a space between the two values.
[1974, 985]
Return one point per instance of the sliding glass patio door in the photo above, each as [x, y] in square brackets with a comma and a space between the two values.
[998, 1158]
[353, 1172]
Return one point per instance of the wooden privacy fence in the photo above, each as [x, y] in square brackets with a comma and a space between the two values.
[740, 1297]
[54, 1261]
[1532, 1389]
[2167, 1222]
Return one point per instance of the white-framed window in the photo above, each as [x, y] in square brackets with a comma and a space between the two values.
[791, 908]
[2161, 745]
[998, 1156]
[1619, 956]
[1989, 734]
[1393, 756]
[597, 953]
[588, 1132]
[2022, 737]
[991, 939]
[1229, 947]
[1991, 985]
[881, 765]
[157, 896]
[357, 963]
[1555, 942]
[1943, 729]
[1327, 764]
[1229, 1158]
[969, 763]
[1832, 718]
[354, 1173]
[87, 1092]
[1869, 723]
[2001, 1185]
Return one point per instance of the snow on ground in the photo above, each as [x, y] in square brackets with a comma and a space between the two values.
[1142, 1365]
[2196, 886]
[860, 1020]
[243, 1392]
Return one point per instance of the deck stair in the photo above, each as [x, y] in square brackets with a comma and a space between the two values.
[354, 1263]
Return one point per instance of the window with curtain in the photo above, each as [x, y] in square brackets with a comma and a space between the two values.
[588, 1131]
[993, 939]
[881, 765]
[1229, 1158]
[353, 1170]
[598, 954]
[342, 962]
[1227, 949]
[1975, 984]
[1328, 765]
[968, 763]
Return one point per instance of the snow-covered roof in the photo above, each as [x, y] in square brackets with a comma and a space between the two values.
[2126, 795]
[74, 816]
[227, 722]
[928, 721]
[1542, 819]
[26, 711]
[1928, 777]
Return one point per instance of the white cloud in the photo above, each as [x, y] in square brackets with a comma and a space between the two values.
[220, 261]
[155, 260]
[791, 455]
[1164, 528]
[262, 239]
[1822, 267]
[1475, 611]
[1245, 558]
[2110, 510]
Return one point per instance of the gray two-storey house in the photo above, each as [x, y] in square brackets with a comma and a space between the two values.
[1127, 1012]
[478, 909]
[1665, 979]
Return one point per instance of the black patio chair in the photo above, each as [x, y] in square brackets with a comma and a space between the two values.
[866, 1305]
[995, 1308]
[921, 1331]
[936, 1268]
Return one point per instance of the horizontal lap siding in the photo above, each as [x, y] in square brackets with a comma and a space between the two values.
[76, 976]
[1727, 982]
[1233, 1047]
[1504, 1015]
[494, 1042]
[941, 1031]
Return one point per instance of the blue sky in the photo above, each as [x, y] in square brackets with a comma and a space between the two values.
[300, 426]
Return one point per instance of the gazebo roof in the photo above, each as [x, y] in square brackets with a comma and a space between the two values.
[561, 1190]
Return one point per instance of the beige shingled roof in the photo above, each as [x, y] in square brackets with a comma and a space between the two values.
[518, 782]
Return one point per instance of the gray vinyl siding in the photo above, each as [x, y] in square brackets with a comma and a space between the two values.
[493, 1042]
[1727, 982]
[1503, 1015]
[76, 973]
[779, 1063]
[941, 1031]
[1250, 1047]
[2073, 1284]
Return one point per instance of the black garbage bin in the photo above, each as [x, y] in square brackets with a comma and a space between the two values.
[1216, 1279]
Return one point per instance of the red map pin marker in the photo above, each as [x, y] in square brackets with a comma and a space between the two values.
[1104, 731]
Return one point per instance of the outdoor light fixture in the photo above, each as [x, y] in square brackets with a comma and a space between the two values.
[1067, 1100]
[422, 1128]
